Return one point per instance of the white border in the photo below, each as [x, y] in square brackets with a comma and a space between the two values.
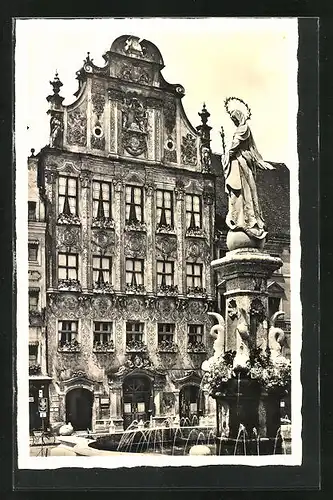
[27, 462]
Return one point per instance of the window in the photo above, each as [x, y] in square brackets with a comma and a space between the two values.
[101, 269]
[134, 204]
[165, 335]
[134, 333]
[101, 200]
[67, 332]
[273, 305]
[67, 266]
[164, 208]
[165, 272]
[102, 333]
[33, 354]
[194, 275]
[31, 210]
[193, 211]
[134, 272]
[32, 252]
[33, 301]
[67, 198]
[195, 338]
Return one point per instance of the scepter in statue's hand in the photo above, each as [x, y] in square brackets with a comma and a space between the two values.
[223, 142]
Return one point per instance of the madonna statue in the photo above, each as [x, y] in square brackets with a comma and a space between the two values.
[240, 163]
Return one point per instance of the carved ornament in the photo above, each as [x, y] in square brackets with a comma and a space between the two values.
[135, 244]
[134, 125]
[77, 127]
[189, 150]
[166, 246]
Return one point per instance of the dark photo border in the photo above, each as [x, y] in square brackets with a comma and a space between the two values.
[207, 478]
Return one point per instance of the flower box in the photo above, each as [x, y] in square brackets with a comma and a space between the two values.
[68, 219]
[69, 285]
[135, 226]
[164, 229]
[104, 347]
[168, 290]
[103, 287]
[102, 223]
[195, 231]
[73, 346]
[34, 369]
[135, 289]
[167, 346]
[135, 346]
[196, 291]
[196, 347]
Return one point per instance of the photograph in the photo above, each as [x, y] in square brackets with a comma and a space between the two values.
[159, 318]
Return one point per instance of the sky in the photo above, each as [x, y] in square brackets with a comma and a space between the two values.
[213, 58]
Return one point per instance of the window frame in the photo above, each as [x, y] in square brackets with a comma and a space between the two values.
[192, 212]
[36, 247]
[107, 333]
[68, 254]
[104, 270]
[128, 219]
[35, 294]
[108, 201]
[133, 260]
[34, 217]
[193, 275]
[165, 209]
[140, 333]
[170, 335]
[60, 196]
[65, 331]
[165, 274]
[195, 334]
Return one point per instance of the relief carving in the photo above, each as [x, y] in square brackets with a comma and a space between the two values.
[135, 73]
[77, 127]
[169, 110]
[197, 250]
[103, 240]
[98, 103]
[69, 237]
[135, 244]
[166, 246]
[189, 150]
[134, 125]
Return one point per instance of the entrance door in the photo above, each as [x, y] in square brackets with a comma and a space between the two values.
[35, 421]
[191, 405]
[79, 408]
[137, 396]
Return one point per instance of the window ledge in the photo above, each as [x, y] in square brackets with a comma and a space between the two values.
[103, 288]
[103, 348]
[69, 348]
[136, 226]
[165, 230]
[105, 223]
[69, 286]
[195, 232]
[64, 219]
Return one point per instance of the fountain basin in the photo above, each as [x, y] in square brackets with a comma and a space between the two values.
[261, 446]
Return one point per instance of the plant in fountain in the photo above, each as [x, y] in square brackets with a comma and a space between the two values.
[220, 371]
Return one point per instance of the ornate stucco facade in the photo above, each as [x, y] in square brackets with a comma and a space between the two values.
[129, 232]
[130, 217]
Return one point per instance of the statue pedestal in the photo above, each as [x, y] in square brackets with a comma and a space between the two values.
[245, 272]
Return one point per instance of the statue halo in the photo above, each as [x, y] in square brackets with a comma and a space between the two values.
[229, 109]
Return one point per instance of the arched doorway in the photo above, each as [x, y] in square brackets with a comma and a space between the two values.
[191, 405]
[137, 399]
[79, 408]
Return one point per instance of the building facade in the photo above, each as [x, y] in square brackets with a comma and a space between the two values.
[38, 377]
[130, 207]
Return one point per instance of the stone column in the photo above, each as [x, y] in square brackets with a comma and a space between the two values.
[176, 393]
[245, 272]
[116, 410]
[119, 217]
[180, 231]
[157, 402]
[85, 217]
[149, 266]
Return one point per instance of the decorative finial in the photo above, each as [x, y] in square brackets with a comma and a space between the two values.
[32, 151]
[56, 84]
[88, 58]
[204, 115]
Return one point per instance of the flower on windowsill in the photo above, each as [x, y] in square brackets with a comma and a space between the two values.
[34, 369]
[140, 289]
[103, 223]
[164, 228]
[195, 231]
[68, 219]
[168, 289]
[72, 346]
[135, 346]
[104, 346]
[167, 346]
[103, 287]
[70, 285]
[196, 347]
[135, 225]
[196, 290]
